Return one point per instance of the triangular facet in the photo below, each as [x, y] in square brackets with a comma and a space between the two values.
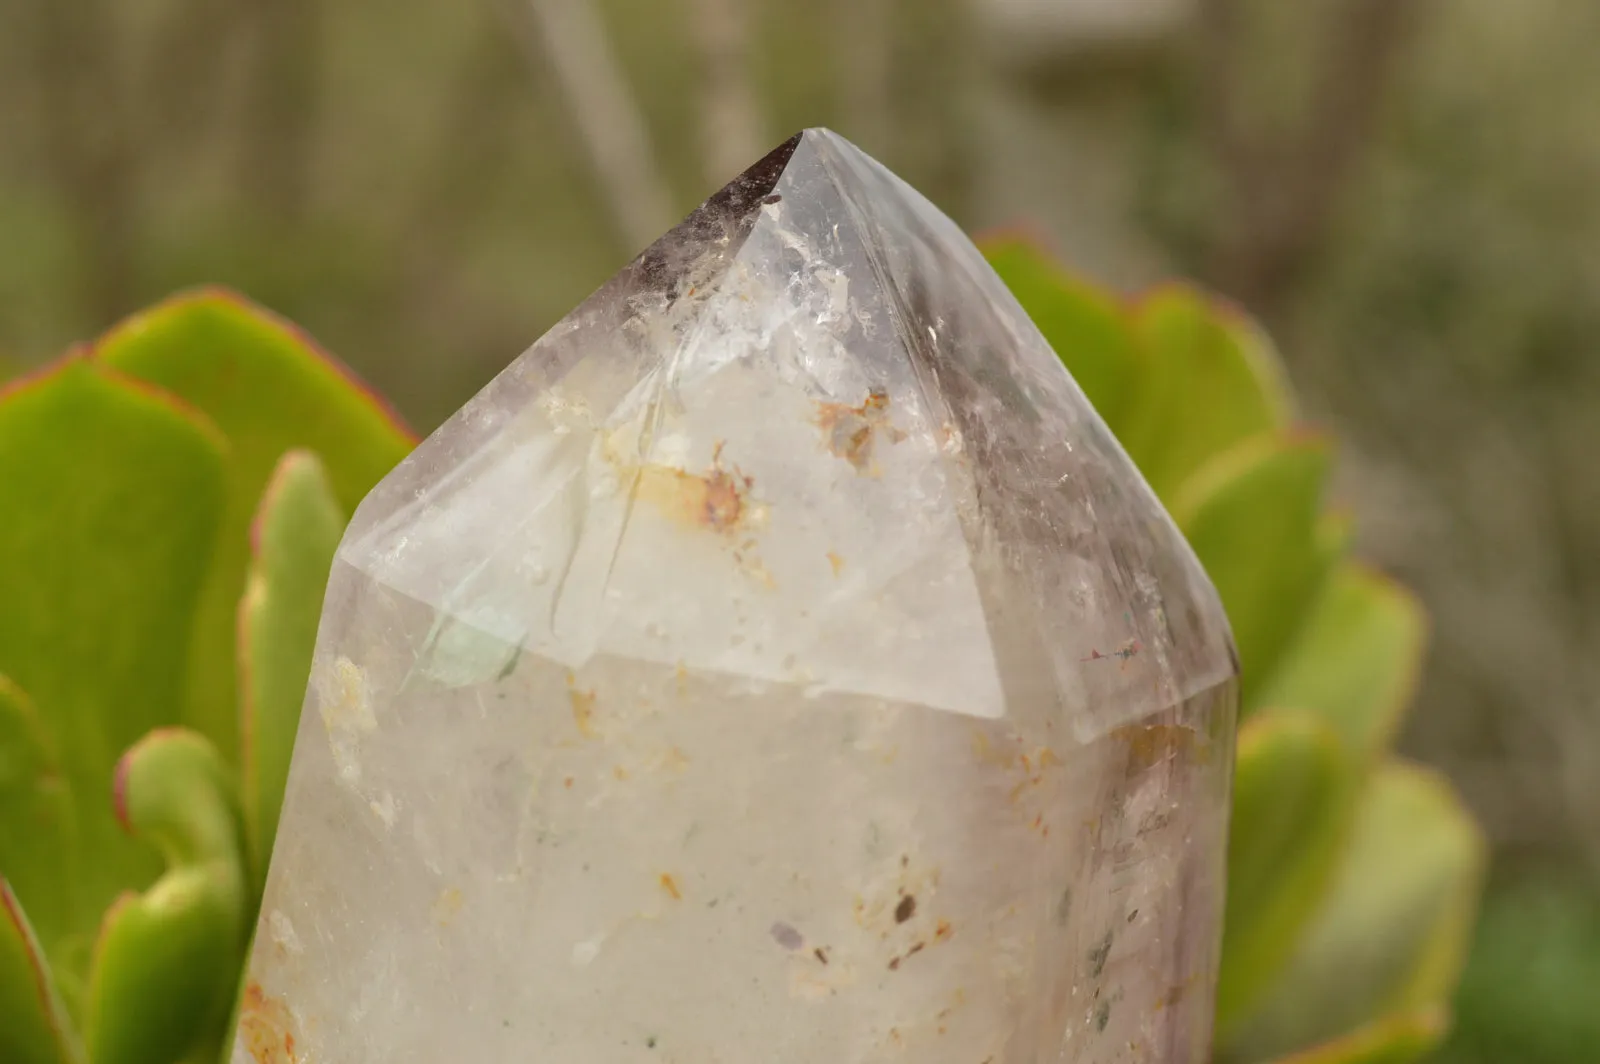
[785, 436]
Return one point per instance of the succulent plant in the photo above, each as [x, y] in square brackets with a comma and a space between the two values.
[1353, 875]
[172, 498]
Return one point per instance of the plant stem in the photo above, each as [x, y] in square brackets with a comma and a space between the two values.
[570, 36]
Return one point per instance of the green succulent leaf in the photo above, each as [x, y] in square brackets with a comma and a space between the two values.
[1542, 923]
[1398, 1039]
[1390, 938]
[296, 531]
[34, 1028]
[1209, 381]
[166, 963]
[112, 493]
[1252, 516]
[270, 390]
[1088, 328]
[37, 843]
[1292, 799]
[26, 751]
[1357, 660]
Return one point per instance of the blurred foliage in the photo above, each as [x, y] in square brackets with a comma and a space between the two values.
[1439, 300]
[1405, 192]
[1529, 994]
[169, 529]
[1353, 876]
[406, 184]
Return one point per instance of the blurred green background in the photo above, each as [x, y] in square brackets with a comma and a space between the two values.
[1407, 192]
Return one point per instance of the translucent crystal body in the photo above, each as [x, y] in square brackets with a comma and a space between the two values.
[779, 662]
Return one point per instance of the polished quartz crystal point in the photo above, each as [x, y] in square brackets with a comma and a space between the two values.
[778, 662]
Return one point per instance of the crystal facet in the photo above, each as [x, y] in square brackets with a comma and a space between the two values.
[778, 662]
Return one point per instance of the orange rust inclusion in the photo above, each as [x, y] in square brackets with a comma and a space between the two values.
[266, 1028]
[582, 708]
[852, 432]
[719, 500]
[1151, 744]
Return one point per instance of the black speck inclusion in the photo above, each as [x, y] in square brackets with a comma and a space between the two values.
[1098, 955]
